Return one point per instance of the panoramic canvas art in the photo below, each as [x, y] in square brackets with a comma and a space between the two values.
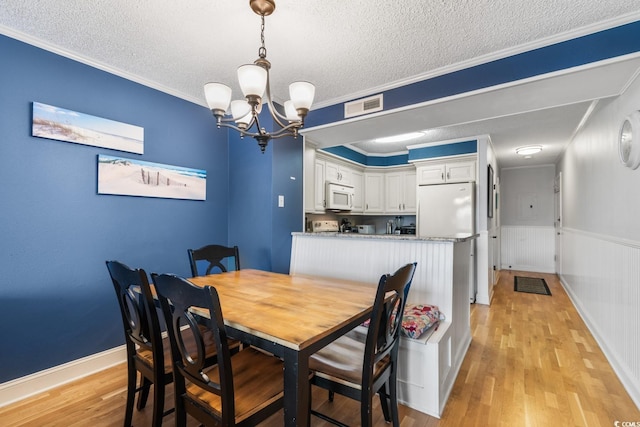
[70, 126]
[129, 177]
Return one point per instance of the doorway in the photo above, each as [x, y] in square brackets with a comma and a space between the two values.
[557, 221]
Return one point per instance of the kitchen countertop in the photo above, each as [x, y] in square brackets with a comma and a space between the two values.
[411, 237]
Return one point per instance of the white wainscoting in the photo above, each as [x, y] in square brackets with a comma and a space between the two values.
[527, 248]
[366, 259]
[602, 277]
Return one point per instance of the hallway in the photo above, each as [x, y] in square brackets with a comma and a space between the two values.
[533, 362]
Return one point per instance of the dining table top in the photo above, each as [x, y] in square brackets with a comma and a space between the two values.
[292, 311]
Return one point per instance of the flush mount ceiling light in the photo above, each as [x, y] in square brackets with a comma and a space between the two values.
[529, 150]
[254, 82]
[400, 138]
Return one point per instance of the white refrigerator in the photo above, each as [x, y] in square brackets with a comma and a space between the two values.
[448, 210]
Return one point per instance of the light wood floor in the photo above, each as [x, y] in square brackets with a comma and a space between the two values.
[532, 362]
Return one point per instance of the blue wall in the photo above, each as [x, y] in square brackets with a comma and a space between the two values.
[57, 302]
[258, 226]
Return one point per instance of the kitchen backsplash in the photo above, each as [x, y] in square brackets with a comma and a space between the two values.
[380, 222]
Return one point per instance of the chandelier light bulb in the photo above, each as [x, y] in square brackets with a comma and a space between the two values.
[218, 96]
[302, 94]
[253, 80]
[290, 112]
[239, 109]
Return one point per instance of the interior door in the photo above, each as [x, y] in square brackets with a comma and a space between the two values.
[494, 235]
[557, 221]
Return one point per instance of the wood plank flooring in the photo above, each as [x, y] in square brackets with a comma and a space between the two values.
[532, 362]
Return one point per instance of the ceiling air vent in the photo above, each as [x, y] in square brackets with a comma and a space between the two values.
[363, 106]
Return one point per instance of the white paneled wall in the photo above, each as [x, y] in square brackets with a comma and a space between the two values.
[527, 248]
[602, 276]
[442, 278]
[366, 259]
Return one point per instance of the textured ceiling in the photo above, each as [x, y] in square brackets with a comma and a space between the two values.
[347, 48]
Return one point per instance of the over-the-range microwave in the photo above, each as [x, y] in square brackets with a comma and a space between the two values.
[339, 197]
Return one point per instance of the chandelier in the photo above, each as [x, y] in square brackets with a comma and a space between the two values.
[254, 83]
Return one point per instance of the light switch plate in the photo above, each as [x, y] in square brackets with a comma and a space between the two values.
[281, 201]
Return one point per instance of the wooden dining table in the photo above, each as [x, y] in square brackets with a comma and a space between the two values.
[291, 317]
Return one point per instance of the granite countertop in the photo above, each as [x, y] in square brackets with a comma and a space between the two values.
[460, 238]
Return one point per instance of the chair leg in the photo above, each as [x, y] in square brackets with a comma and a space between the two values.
[144, 393]
[181, 412]
[366, 406]
[158, 404]
[384, 402]
[132, 378]
[393, 400]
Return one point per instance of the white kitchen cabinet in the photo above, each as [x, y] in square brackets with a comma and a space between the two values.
[439, 172]
[335, 172]
[373, 192]
[400, 191]
[327, 169]
[357, 180]
[319, 187]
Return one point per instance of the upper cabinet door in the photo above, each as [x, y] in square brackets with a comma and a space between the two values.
[357, 180]
[431, 174]
[319, 187]
[461, 171]
[440, 172]
[400, 192]
[373, 192]
[337, 173]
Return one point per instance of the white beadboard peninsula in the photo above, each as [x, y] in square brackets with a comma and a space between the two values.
[445, 268]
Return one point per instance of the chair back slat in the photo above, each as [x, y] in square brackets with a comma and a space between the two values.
[214, 254]
[386, 319]
[140, 319]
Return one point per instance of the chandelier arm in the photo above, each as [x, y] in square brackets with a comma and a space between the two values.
[243, 132]
[272, 108]
[231, 119]
[289, 130]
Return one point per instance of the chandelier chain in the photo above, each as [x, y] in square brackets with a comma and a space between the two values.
[262, 51]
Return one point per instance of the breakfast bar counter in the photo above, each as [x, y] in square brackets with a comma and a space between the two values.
[443, 275]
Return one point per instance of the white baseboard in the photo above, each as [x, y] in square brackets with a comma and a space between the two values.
[532, 268]
[625, 377]
[21, 388]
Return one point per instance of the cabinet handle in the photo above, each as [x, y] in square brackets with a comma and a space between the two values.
[442, 176]
[448, 175]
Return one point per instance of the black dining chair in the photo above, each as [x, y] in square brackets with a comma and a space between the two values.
[147, 352]
[243, 389]
[359, 368]
[214, 254]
